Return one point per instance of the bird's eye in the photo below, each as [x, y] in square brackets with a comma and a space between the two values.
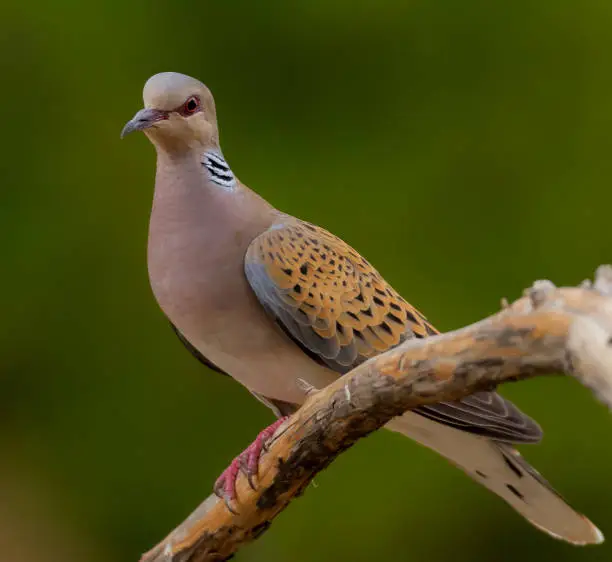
[191, 105]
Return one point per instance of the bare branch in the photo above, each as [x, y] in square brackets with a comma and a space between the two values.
[549, 330]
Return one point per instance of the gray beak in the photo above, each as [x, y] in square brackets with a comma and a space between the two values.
[143, 120]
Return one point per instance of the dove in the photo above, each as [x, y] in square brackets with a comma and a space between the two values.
[277, 302]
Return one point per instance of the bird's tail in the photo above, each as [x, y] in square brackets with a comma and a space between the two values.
[500, 468]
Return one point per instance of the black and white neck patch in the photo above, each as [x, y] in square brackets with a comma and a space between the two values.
[219, 170]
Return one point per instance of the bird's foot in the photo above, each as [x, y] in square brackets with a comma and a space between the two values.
[248, 462]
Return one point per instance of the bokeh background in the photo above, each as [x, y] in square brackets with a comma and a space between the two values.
[463, 147]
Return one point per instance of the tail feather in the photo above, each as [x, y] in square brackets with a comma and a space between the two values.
[500, 468]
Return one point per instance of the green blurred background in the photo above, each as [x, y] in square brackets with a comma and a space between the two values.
[463, 147]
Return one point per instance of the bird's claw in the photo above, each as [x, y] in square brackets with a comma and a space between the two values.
[246, 462]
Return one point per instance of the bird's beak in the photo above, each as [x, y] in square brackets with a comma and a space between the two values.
[144, 119]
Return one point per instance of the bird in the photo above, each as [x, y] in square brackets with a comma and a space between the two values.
[277, 302]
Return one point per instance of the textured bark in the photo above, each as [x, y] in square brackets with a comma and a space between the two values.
[549, 330]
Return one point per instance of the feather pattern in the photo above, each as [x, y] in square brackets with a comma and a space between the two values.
[335, 305]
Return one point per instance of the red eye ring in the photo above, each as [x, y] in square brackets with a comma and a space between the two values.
[191, 105]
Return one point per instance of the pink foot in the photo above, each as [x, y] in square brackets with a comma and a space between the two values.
[248, 460]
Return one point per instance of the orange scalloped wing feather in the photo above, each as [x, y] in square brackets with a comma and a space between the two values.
[328, 296]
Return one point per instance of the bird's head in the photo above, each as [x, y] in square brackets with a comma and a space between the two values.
[178, 114]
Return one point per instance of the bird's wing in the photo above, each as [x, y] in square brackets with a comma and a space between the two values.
[195, 352]
[340, 310]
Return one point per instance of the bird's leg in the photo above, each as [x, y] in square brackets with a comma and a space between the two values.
[248, 461]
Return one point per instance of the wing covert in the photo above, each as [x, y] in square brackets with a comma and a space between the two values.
[340, 310]
[328, 297]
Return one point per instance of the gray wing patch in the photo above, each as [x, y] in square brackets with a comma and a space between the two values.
[487, 414]
[322, 350]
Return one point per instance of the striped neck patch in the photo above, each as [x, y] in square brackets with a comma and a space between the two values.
[219, 171]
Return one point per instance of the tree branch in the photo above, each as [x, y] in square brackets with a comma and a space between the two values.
[548, 330]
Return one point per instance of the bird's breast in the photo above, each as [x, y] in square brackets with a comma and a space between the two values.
[198, 239]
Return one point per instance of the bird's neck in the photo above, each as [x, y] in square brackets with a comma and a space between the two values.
[217, 169]
[200, 206]
[202, 183]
